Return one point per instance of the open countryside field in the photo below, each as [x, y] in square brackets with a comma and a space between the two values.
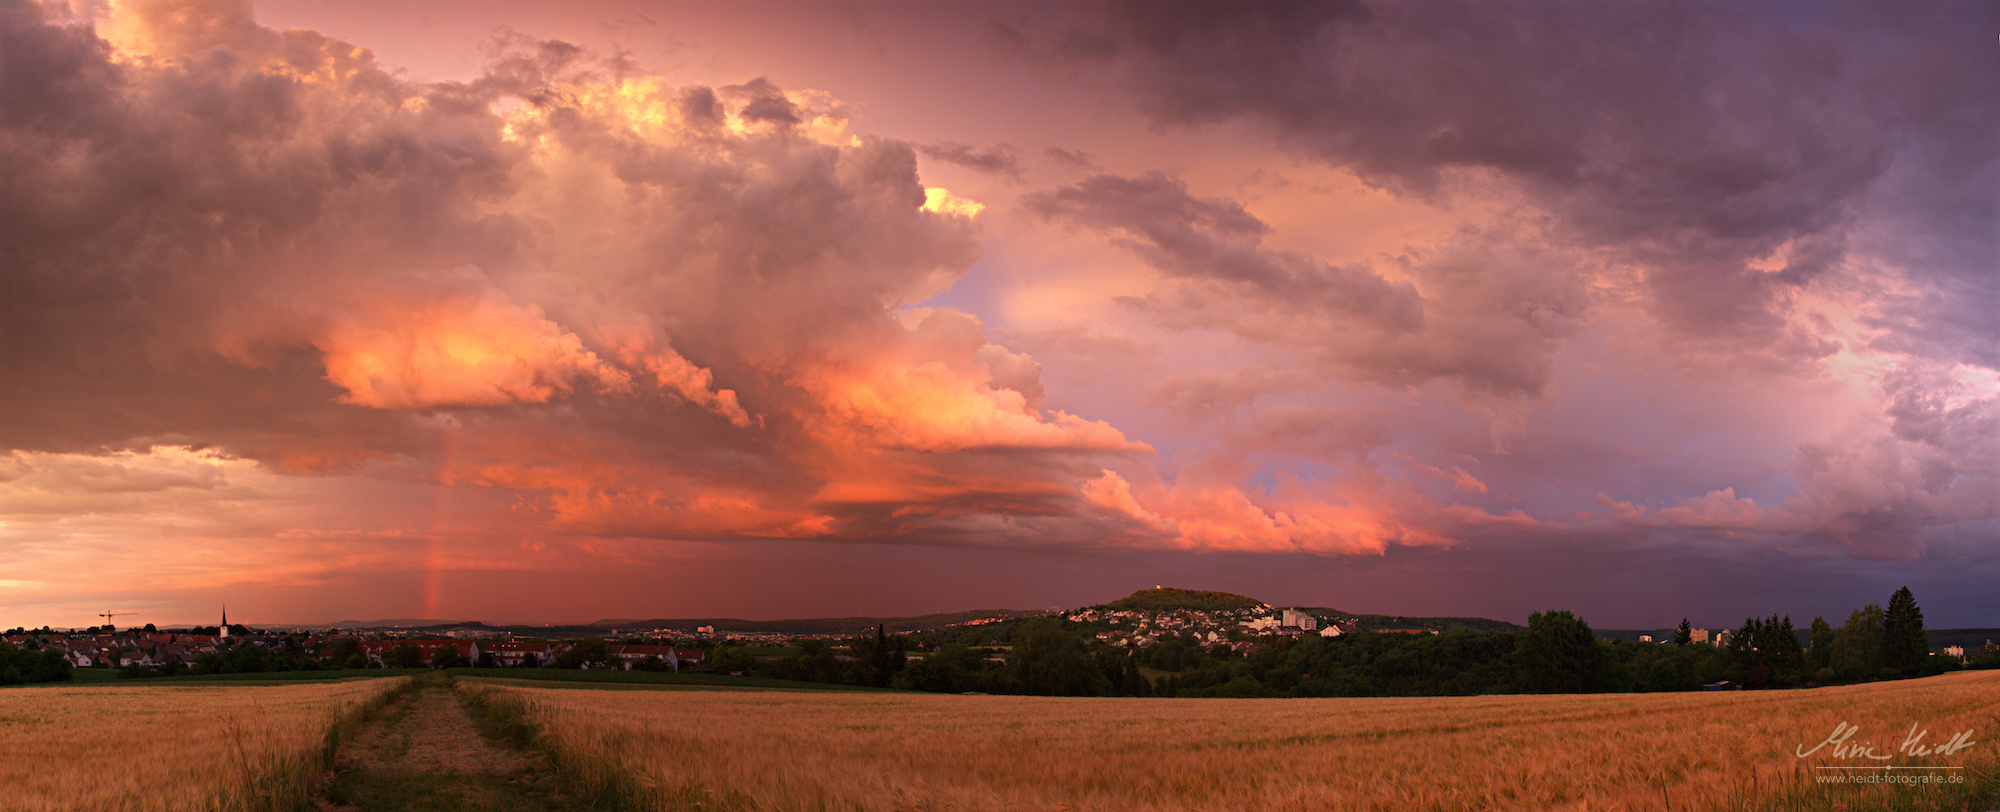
[799, 751]
[144, 747]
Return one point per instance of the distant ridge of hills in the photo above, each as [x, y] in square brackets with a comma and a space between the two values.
[414, 623]
[825, 625]
[723, 625]
[387, 623]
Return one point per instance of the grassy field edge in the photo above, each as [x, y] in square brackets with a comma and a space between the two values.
[289, 782]
[600, 783]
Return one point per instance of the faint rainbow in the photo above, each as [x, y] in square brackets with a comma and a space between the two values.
[433, 553]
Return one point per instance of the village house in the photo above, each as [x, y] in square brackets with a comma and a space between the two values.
[516, 653]
[629, 656]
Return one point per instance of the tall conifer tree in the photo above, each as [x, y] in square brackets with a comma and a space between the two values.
[1904, 644]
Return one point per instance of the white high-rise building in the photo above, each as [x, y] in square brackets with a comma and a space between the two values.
[1300, 620]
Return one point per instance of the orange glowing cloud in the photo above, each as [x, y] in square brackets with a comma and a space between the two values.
[931, 408]
[939, 387]
[1717, 509]
[1201, 511]
[468, 346]
[677, 374]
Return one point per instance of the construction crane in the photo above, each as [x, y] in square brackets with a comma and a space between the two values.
[108, 615]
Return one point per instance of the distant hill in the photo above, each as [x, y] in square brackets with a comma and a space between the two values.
[723, 625]
[1633, 635]
[389, 623]
[1971, 639]
[825, 625]
[1167, 599]
[402, 622]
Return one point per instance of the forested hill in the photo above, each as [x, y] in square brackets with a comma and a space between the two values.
[1167, 599]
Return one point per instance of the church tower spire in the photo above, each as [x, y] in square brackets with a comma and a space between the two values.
[225, 620]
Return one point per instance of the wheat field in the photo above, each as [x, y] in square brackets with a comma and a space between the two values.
[119, 747]
[820, 751]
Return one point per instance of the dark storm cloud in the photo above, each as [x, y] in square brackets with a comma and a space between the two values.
[1695, 138]
[1764, 172]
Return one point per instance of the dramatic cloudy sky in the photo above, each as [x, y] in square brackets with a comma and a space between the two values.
[540, 312]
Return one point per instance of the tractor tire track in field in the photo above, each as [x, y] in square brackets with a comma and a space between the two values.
[425, 752]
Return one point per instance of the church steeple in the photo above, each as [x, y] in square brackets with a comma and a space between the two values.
[225, 620]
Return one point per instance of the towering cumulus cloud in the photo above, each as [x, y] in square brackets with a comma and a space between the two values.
[644, 310]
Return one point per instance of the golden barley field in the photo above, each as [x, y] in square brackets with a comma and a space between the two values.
[816, 751]
[121, 747]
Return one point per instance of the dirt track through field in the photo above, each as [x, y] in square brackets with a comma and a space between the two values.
[426, 753]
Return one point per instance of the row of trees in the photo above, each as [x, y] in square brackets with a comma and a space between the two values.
[1045, 658]
[875, 660]
[292, 656]
[1874, 643]
[32, 666]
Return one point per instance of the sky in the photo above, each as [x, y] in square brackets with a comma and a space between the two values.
[547, 313]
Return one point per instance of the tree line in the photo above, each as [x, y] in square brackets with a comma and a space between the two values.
[18, 666]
